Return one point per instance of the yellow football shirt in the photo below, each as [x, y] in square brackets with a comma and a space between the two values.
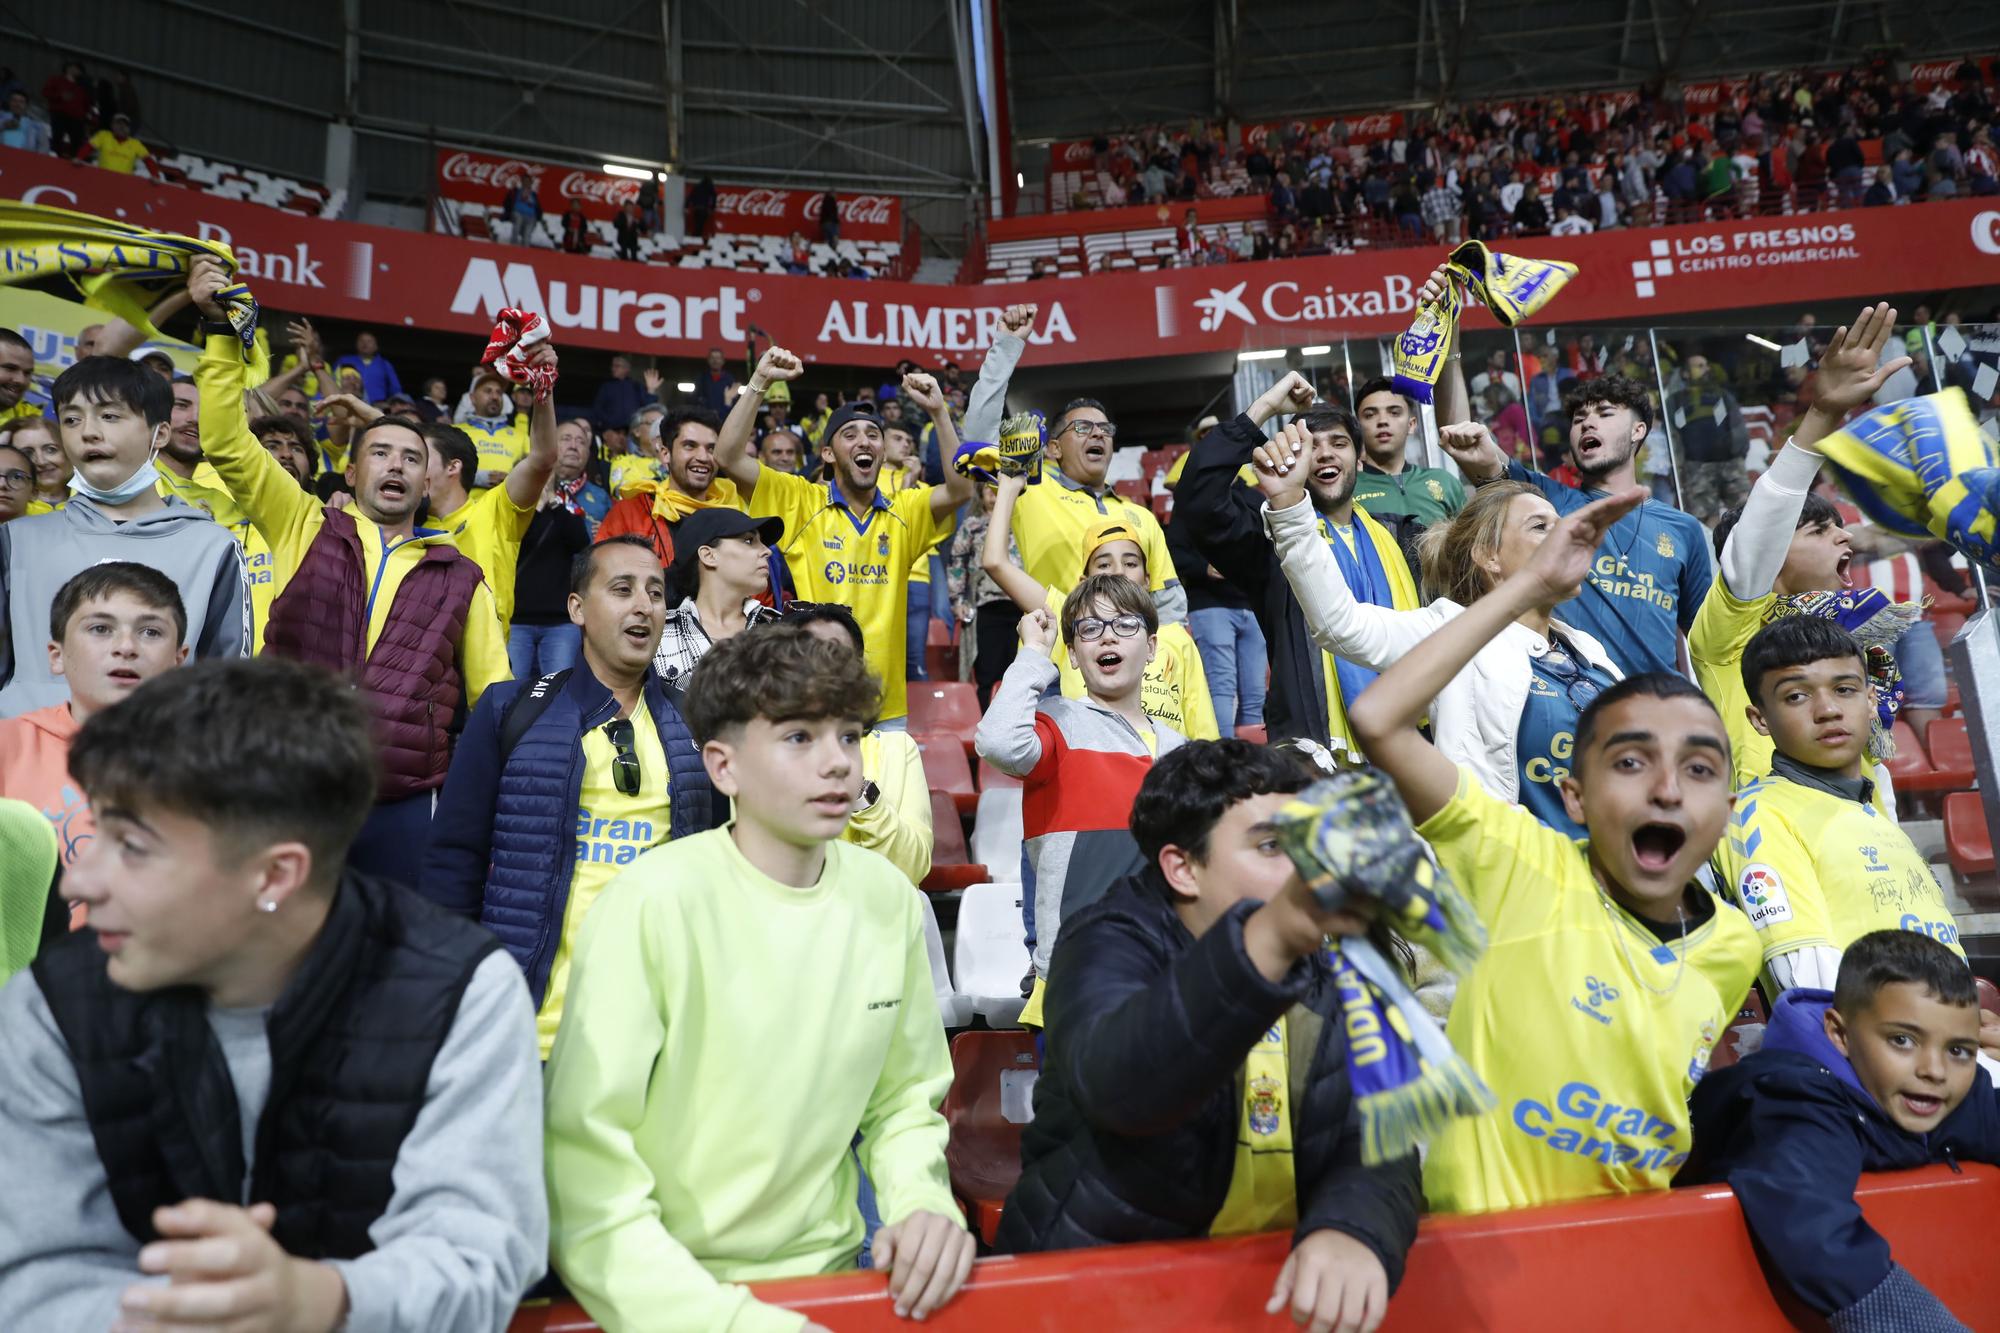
[861, 563]
[611, 830]
[1051, 519]
[1588, 1028]
[113, 155]
[1722, 629]
[1813, 869]
[1175, 687]
[487, 529]
[499, 447]
[1263, 1183]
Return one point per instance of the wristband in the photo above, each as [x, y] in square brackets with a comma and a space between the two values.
[759, 389]
[217, 328]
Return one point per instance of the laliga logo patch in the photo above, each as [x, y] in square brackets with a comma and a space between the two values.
[1763, 894]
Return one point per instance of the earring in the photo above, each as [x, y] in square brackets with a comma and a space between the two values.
[267, 904]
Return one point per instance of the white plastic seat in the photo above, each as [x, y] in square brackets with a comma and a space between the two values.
[989, 957]
[954, 1009]
[996, 833]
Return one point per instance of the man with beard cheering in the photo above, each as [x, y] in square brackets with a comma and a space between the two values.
[1310, 689]
[845, 540]
[1653, 568]
[362, 590]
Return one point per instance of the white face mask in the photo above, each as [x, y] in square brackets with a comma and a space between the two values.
[145, 478]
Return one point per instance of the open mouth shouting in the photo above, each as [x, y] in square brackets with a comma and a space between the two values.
[1920, 1106]
[1655, 845]
[392, 487]
[639, 633]
[1843, 570]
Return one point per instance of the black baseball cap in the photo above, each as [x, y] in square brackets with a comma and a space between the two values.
[706, 527]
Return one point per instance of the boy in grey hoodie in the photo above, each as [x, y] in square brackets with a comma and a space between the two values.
[111, 415]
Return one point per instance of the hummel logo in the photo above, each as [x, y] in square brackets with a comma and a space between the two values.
[1217, 305]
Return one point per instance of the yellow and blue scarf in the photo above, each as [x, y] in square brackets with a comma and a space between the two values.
[1511, 287]
[1349, 837]
[1923, 468]
[119, 268]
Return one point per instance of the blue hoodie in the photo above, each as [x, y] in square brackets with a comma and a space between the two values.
[1791, 1130]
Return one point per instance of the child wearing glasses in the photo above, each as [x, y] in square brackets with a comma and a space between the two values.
[745, 1001]
[1511, 714]
[1175, 688]
[1080, 760]
[17, 481]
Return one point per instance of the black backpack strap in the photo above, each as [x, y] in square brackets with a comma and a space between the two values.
[528, 705]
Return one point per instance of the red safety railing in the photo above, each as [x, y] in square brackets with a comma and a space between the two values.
[1662, 1263]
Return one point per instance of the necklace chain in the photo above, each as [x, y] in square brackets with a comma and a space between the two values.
[1618, 930]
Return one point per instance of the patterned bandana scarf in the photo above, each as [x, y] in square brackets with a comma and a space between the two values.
[1511, 287]
[566, 493]
[1923, 468]
[1023, 438]
[1350, 839]
[517, 336]
[1876, 623]
[120, 268]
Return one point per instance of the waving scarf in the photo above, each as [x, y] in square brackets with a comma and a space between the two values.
[1023, 438]
[1923, 468]
[517, 335]
[1511, 287]
[1876, 623]
[1350, 840]
[1376, 573]
[120, 268]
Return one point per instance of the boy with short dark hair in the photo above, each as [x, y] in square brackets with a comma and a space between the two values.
[112, 417]
[1878, 1074]
[662, 1193]
[1080, 761]
[1609, 970]
[260, 1082]
[113, 627]
[1194, 1082]
[1811, 858]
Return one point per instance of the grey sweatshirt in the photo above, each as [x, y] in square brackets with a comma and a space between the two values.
[466, 1232]
[40, 553]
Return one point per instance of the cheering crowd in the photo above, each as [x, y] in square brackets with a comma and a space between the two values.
[450, 854]
[1775, 143]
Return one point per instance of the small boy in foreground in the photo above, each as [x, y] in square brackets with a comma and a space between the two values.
[1878, 1074]
[742, 1002]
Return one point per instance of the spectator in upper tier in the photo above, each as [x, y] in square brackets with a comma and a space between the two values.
[701, 207]
[378, 377]
[21, 128]
[68, 97]
[620, 396]
[712, 388]
[249, 1019]
[1194, 1083]
[629, 228]
[558, 783]
[576, 230]
[521, 208]
[116, 150]
[1531, 215]
[113, 414]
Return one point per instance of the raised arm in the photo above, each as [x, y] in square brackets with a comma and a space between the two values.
[923, 390]
[526, 478]
[987, 402]
[1371, 636]
[1007, 737]
[1453, 400]
[996, 556]
[732, 442]
[1474, 449]
[1384, 719]
[1851, 373]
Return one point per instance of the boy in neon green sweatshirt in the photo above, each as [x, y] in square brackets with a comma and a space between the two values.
[742, 1002]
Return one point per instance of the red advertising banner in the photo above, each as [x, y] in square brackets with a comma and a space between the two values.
[1928, 74]
[1357, 128]
[387, 277]
[469, 177]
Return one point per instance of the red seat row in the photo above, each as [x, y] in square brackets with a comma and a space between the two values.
[1942, 763]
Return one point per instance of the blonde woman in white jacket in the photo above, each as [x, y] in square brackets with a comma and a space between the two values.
[1511, 714]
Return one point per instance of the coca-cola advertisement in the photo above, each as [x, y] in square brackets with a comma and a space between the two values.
[469, 177]
[1928, 74]
[1072, 155]
[1356, 128]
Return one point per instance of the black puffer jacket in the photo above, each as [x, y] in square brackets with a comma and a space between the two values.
[1136, 1112]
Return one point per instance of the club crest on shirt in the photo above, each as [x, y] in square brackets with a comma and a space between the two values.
[1763, 894]
[1704, 1047]
[882, 545]
[1665, 546]
[1437, 491]
[1264, 1105]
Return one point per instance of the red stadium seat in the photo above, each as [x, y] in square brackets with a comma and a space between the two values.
[1950, 749]
[1989, 995]
[1967, 840]
[1911, 767]
[991, 778]
[940, 652]
[1138, 492]
[1254, 733]
[947, 706]
[951, 866]
[946, 770]
[984, 1153]
[1945, 624]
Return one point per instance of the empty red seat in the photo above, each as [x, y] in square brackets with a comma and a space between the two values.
[1950, 750]
[991, 1074]
[1945, 624]
[1137, 491]
[947, 706]
[1967, 839]
[1911, 768]
[952, 867]
[946, 770]
[940, 652]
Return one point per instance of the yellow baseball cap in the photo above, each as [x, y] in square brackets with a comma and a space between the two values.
[1106, 531]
